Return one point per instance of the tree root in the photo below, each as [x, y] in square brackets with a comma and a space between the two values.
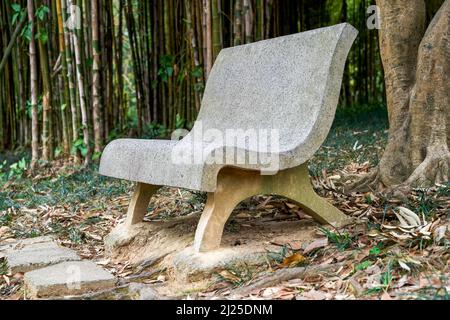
[434, 169]
[363, 183]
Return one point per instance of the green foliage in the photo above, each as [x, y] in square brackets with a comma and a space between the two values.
[76, 236]
[70, 189]
[16, 170]
[363, 265]
[58, 151]
[154, 130]
[386, 278]
[179, 122]
[341, 241]
[42, 36]
[26, 32]
[41, 33]
[197, 72]
[29, 109]
[198, 197]
[41, 12]
[199, 87]
[165, 71]
[4, 269]
[376, 251]
[368, 132]
[18, 13]
[28, 233]
[3, 175]
[425, 204]
[5, 219]
[96, 156]
[80, 146]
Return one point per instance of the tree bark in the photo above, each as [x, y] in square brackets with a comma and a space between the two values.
[70, 82]
[417, 65]
[237, 23]
[81, 91]
[217, 28]
[248, 17]
[63, 78]
[47, 108]
[33, 89]
[12, 42]
[98, 134]
[208, 37]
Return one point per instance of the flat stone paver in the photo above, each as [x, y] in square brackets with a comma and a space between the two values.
[67, 279]
[18, 244]
[37, 255]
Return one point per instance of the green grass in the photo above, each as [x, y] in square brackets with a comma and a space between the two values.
[4, 269]
[73, 190]
[342, 241]
[359, 134]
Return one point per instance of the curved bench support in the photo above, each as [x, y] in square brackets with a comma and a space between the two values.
[236, 185]
[139, 203]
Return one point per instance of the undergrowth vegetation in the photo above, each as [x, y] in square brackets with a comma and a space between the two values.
[381, 258]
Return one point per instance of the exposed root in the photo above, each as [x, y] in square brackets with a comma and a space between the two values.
[363, 183]
[434, 169]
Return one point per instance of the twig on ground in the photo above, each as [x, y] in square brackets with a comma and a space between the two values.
[282, 275]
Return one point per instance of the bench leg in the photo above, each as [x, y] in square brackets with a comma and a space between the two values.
[139, 203]
[235, 186]
[295, 184]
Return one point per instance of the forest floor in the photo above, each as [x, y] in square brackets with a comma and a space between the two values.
[375, 259]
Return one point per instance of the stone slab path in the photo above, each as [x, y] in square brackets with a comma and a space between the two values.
[52, 270]
[37, 256]
[68, 278]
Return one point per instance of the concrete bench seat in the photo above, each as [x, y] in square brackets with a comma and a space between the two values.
[266, 110]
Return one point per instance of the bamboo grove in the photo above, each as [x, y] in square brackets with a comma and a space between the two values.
[75, 74]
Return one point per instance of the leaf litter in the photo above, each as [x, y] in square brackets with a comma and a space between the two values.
[398, 249]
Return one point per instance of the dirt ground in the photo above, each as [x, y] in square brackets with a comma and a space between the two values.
[272, 249]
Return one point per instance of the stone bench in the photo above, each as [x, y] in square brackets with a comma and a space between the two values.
[266, 110]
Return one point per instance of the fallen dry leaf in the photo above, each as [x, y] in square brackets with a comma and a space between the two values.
[315, 295]
[293, 260]
[227, 275]
[269, 292]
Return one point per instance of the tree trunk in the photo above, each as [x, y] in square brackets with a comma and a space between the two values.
[98, 134]
[237, 23]
[63, 78]
[47, 108]
[81, 91]
[248, 17]
[71, 83]
[208, 37]
[12, 42]
[217, 29]
[194, 51]
[418, 96]
[33, 89]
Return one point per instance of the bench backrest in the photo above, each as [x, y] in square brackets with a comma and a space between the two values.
[290, 83]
